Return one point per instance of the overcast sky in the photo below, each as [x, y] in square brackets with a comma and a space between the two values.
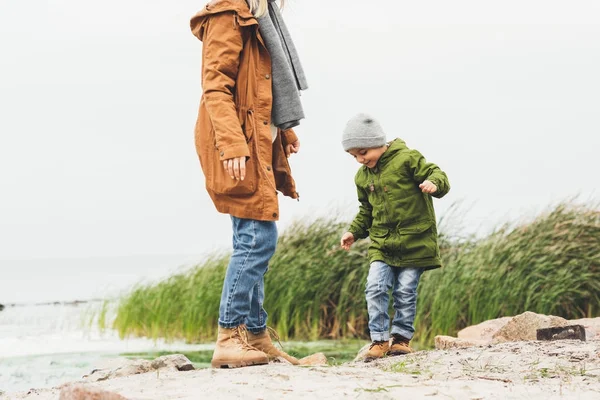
[98, 102]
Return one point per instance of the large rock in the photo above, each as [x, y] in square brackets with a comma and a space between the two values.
[82, 392]
[487, 329]
[483, 331]
[521, 327]
[524, 327]
[1, 307]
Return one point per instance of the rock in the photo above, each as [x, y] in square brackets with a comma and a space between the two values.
[176, 361]
[574, 332]
[524, 327]
[314, 359]
[135, 368]
[591, 325]
[362, 353]
[483, 331]
[118, 368]
[449, 342]
[126, 367]
[1, 307]
[82, 392]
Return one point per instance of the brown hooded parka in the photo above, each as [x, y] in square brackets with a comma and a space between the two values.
[235, 114]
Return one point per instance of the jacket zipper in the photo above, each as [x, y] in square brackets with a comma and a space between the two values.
[383, 198]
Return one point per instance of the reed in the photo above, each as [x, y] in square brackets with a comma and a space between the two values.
[315, 290]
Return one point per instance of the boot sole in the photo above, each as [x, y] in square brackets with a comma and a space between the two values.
[228, 365]
[398, 353]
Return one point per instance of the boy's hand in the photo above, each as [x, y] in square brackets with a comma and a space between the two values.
[347, 241]
[292, 148]
[428, 187]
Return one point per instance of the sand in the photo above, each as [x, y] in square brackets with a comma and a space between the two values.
[516, 370]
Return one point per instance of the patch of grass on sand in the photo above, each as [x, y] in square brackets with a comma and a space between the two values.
[405, 367]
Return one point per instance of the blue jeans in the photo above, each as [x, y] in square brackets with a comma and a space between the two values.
[403, 282]
[243, 292]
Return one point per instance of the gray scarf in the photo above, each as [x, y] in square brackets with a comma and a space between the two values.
[286, 70]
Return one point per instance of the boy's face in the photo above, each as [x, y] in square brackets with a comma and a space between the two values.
[368, 157]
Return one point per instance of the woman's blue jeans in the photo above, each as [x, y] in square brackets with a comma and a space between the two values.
[403, 282]
[243, 292]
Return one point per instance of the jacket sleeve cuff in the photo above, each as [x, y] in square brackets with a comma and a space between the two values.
[289, 137]
[234, 151]
[357, 233]
[435, 182]
[440, 192]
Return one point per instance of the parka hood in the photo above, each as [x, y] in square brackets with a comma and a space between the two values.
[396, 145]
[239, 7]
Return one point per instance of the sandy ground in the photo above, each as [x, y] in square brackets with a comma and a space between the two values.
[516, 370]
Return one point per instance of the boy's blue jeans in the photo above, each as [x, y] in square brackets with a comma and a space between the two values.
[243, 292]
[403, 282]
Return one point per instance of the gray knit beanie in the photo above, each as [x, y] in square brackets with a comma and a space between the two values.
[363, 132]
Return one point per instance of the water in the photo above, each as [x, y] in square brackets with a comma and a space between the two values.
[47, 345]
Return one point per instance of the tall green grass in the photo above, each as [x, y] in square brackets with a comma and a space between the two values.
[315, 290]
[550, 265]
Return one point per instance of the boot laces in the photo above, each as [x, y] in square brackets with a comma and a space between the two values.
[240, 334]
[373, 344]
[274, 335]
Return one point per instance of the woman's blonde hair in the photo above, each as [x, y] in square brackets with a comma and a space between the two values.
[259, 7]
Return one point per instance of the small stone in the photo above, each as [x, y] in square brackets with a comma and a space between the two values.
[178, 361]
[314, 359]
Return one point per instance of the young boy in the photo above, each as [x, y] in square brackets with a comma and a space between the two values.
[394, 186]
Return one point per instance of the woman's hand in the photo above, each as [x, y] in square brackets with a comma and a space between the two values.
[236, 167]
[347, 241]
[292, 148]
[428, 187]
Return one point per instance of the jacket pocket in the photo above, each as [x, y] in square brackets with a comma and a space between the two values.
[418, 241]
[219, 180]
[379, 237]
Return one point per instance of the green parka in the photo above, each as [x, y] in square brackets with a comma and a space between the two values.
[397, 216]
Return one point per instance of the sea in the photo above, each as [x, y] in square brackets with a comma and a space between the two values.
[49, 332]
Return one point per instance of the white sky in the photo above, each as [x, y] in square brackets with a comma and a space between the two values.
[98, 101]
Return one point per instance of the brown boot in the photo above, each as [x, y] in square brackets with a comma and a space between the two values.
[377, 350]
[232, 350]
[263, 342]
[400, 345]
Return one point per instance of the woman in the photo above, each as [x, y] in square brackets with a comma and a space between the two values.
[251, 78]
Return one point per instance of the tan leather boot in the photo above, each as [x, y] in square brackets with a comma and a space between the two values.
[263, 342]
[233, 351]
[377, 350]
[400, 345]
